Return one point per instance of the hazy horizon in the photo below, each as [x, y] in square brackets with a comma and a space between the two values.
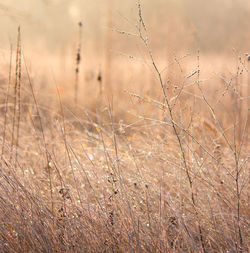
[176, 25]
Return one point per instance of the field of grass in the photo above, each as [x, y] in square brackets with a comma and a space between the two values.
[124, 152]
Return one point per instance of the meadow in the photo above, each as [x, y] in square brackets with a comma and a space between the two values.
[134, 149]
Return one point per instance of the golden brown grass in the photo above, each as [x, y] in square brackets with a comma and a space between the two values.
[159, 166]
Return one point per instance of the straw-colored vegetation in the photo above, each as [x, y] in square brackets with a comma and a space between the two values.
[147, 156]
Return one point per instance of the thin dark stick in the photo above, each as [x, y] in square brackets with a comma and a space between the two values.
[78, 60]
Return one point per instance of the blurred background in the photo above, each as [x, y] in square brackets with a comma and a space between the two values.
[50, 36]
[178, 25]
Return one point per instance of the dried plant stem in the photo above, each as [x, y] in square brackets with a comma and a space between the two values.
[16, 93]
[235, 149]
[141, 28]
[7, 101]
[19, 90]
[47, 154]
[78, 61]
[238, 142]
[240, 247]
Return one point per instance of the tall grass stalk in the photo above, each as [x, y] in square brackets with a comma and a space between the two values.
[78, 61]
[7, 101]
[17, 98]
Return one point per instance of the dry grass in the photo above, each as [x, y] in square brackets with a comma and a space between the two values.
[159, 165]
